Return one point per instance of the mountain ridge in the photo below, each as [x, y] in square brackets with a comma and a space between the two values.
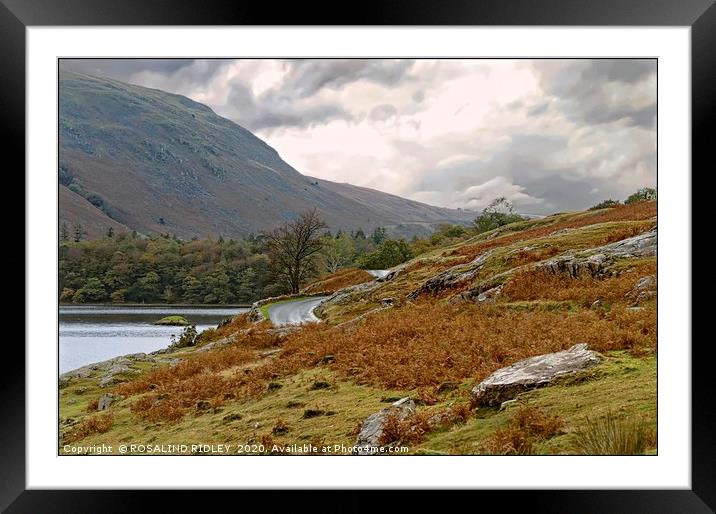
[158, 162]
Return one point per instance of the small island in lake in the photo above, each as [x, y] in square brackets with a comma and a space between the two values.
[174, 321]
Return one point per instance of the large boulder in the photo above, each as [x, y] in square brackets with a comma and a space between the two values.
[506, 383]
[368, 440]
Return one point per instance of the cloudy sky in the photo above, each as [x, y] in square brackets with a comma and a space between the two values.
[550, 135]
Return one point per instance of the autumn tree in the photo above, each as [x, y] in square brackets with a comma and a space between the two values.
[642, 195]
[293, 247]
[336, 251]
[498, 213]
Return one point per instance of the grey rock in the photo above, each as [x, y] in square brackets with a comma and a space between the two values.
[506, 404]
[106, 380]
[392, 273]
[647, 283]
[105, 401]
[118, 368]
[368, 440]
[345, 295]
[452, 277]
[255, 315]
[387, 302]
[596, 261]
[224, 341]
[506, 383]
[490, 295]
[644, 289]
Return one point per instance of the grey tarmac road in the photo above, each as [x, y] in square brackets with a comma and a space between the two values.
[294, 312]
[301, 311]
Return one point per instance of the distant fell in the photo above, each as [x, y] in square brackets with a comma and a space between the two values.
[136, 158]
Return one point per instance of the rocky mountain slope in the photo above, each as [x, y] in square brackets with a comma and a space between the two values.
[157, 162]
[535, 338]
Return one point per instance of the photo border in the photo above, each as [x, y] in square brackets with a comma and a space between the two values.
[700, 15]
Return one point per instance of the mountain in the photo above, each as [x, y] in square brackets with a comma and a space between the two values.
[142, 159]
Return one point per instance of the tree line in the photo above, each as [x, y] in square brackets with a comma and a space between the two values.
[128, 267]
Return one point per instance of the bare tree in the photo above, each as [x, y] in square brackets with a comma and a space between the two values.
[293, 246]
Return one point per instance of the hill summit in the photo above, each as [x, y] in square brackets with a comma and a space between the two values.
[134, 158]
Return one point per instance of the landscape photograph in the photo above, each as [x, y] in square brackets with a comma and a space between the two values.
[365, 257]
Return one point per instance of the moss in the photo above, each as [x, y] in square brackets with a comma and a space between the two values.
[178, 321]
[246, 422]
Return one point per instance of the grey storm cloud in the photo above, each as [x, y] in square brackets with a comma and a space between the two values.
[286, 105]
[382, 112]
[270, 111]
[307, 77]
[526, 164]
[583, 92]
[124, 69]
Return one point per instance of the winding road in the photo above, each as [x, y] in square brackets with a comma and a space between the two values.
[295, 312]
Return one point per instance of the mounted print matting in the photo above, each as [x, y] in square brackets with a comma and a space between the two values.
[444, 247]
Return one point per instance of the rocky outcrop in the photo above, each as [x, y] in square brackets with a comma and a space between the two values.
[345, 295]
[644, 289]
[596, 261]
[368, 440]
[452, 277]
[506, 383]
[106, 371]
[490, 295]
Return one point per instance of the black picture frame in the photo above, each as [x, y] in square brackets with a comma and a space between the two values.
[700, 15]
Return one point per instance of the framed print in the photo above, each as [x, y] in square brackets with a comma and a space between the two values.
[447, 248]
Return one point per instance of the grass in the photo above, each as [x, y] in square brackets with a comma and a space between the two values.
[340, 409]
[548, 420]
[611, 435]
[173, 321]
[320, 382]
[550, 225]
[622, 384]
[550, 237]
[538, 284]
[338, 280]
[96, 424]
[396, 350]
[527, 426]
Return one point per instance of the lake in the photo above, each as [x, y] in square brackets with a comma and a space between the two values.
[94, 333]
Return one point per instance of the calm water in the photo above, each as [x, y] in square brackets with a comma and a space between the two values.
[93, 333]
